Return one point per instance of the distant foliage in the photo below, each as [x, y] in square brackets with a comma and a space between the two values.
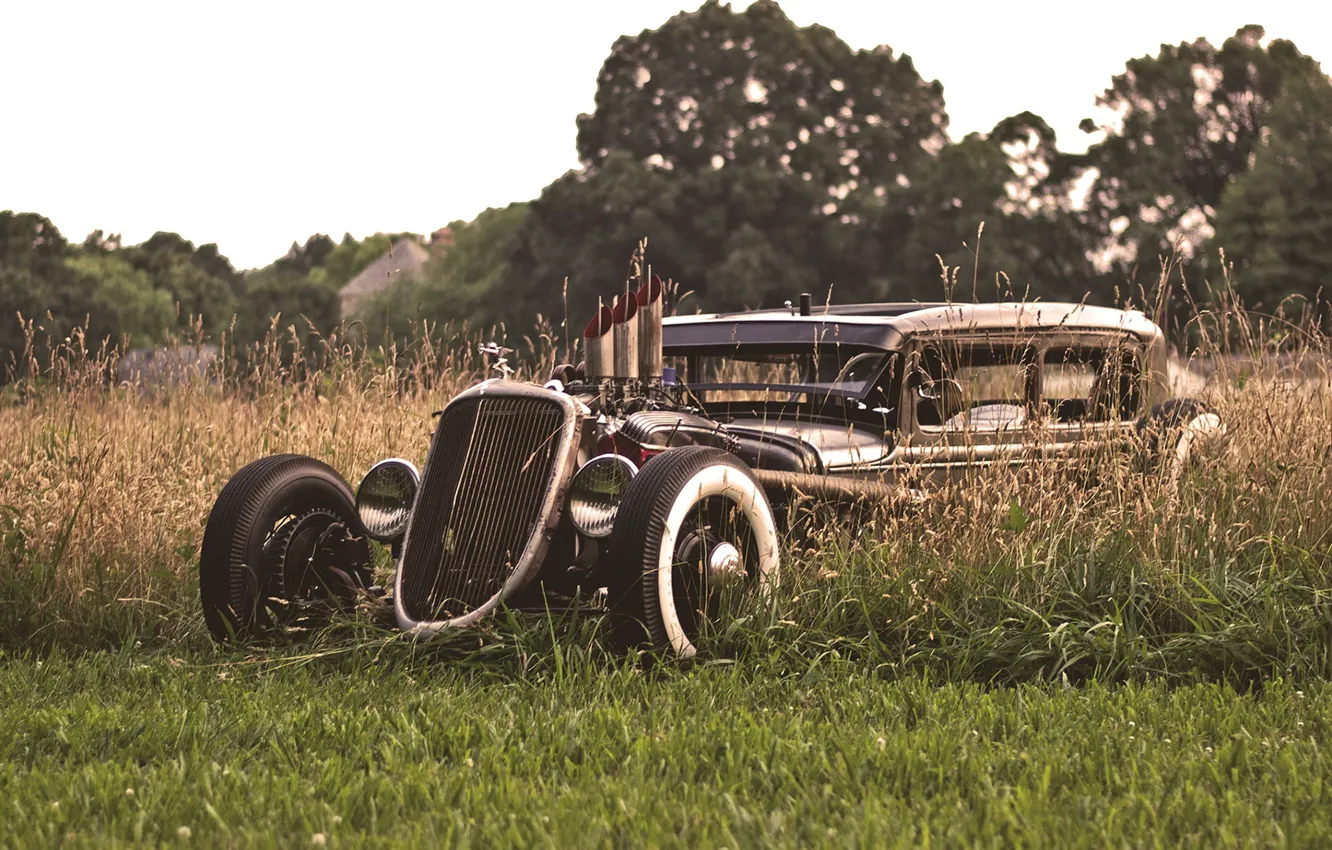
[749, 151]
[124, 299]
[35, 280]
[760, 160]
[1187, 124]
[715, 87]
[1275, 220]
[300, 290]
[166, 288]
[200, 281]
[472, 280]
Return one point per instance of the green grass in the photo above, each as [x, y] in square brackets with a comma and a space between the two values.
[1028, 662]
[384, 748]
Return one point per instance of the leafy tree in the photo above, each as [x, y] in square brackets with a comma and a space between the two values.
[937, 215]
[35, 281]
[1275, 220]
[210, 260]
[746, 149]
[200, 282]
[310, 307]
[738, 236]
[473, 281]
[986, 209]
[715, 87]
[30, 241]
[1187, 123]
[303, 259]
[584, 227]
[99, 241]
[752, 269]
[124, 302]
[474, 278]
[285, 288]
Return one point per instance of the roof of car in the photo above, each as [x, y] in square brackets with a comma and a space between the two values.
[886, 325]
[872, 308]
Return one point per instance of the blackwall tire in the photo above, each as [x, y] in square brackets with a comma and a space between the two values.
[243, 586]
[1171, 433]
[667, 545]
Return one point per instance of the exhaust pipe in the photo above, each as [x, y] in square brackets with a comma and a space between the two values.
[840, 490]
[650, 306]
[598, 346]
[624, 318]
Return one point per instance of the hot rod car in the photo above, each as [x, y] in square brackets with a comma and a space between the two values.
[643, 480]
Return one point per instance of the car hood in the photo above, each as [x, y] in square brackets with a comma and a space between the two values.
[841, 447]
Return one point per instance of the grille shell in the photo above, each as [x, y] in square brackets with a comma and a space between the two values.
[494, 483]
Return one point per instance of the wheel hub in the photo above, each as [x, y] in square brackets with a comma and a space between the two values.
[311, 559]
[725, 566]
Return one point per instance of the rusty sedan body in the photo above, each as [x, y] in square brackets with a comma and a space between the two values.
[919, 393]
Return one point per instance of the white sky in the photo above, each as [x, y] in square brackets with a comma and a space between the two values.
[252, 124]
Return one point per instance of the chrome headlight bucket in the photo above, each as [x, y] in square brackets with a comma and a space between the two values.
[596, 491]
[384, 498]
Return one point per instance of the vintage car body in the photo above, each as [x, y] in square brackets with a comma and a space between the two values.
[642, 480]
[843, 441]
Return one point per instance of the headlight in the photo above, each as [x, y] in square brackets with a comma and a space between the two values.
[384, 498]
[595, 493]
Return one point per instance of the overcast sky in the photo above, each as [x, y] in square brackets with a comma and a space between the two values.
[252, 124]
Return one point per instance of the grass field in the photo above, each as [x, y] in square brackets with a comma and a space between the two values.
[138, 748]
[1028, 662]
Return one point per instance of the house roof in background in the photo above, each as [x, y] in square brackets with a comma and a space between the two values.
[405, 255]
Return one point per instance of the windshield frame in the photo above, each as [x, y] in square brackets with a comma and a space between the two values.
[876, 402]
[854, 390]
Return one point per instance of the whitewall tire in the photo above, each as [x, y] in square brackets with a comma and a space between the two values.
[695, 532]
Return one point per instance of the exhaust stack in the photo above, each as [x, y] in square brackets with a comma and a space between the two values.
[598, 346]
[624, 318]
[650, 307]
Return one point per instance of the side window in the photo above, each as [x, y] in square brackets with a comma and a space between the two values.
[974, 386]
[1089, 384]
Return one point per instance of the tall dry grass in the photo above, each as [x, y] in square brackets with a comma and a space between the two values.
[105, 488]
[104, 491]
[1019, 576]
[1047, 574]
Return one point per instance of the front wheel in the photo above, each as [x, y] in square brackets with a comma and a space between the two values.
[694, 535]
[283, 544]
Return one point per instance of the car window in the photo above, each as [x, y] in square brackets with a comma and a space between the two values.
[974, 386]
[781, 374]
[1090, 384]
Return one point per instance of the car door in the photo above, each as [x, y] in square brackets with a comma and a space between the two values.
[1092, 389]
[970, 400]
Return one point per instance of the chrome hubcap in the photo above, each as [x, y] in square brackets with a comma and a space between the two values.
[725, 565]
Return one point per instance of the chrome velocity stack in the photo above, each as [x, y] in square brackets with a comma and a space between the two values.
[624, 318]
[599, 346]
[650, 308]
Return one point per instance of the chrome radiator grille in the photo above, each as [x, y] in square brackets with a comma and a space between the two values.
[498, 463]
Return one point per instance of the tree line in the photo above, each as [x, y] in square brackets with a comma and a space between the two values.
[762, 159]
[165, 287]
